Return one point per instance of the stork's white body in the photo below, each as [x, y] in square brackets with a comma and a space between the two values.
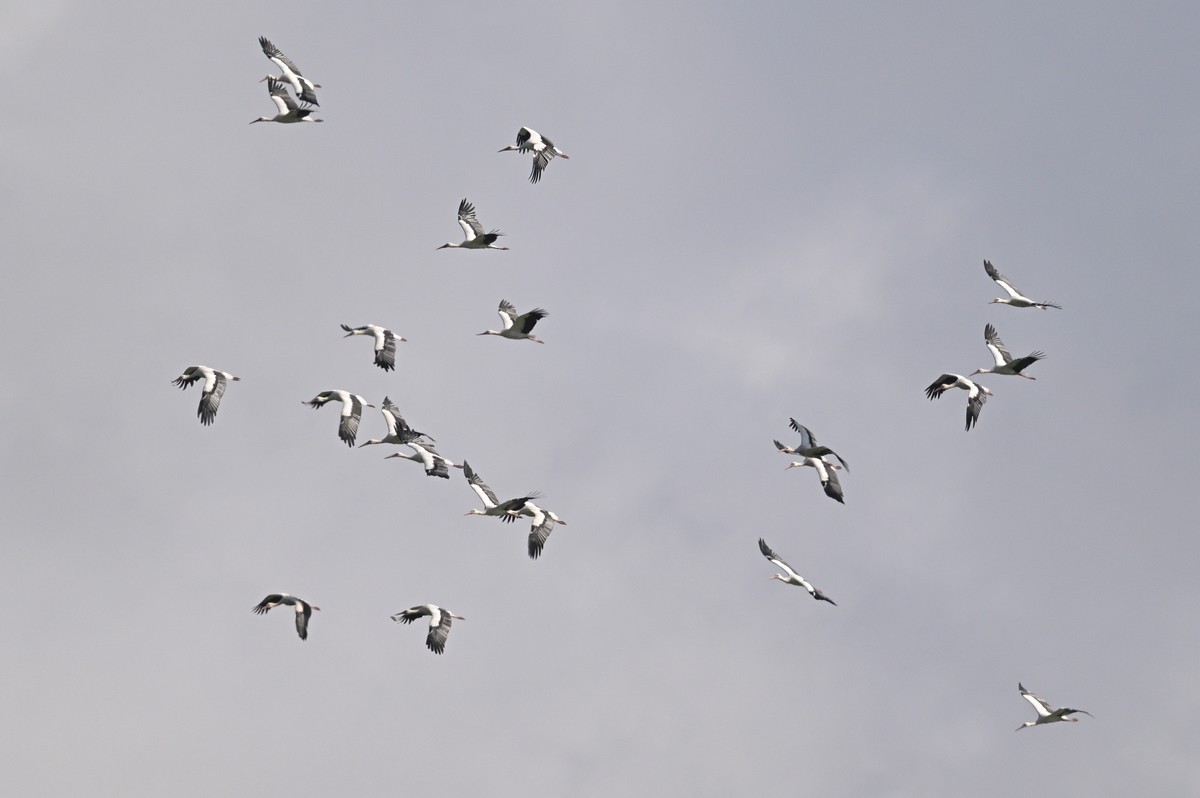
[385, 343]
[474, 236]
[517, 327]
[303, 87]
[1015, 298]
[352, 407]
[544, 151]
[440, 620]
[210, 395]
[289, 111]
[976, 394]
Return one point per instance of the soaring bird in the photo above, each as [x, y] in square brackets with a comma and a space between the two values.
[1006, 363]
[423, 452]
[289, 111]
[792, 577]
[1015, 298]
[507, 510]
[352, 407]
[976, 393]
[517, 327]
[385, 343]
[543, 149]
[291, 73]
[304, 610]
[211, 393]
[542, 525]
[399, 432]
[1045, 712]
[474, 238]
[808, 445]
[827, 471]
[439, 623]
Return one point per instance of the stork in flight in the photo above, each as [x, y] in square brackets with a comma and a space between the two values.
[398, 430]
[1006, 363]
[492, 506]
[423, 452]
[792, 578]
[542, 525]
[440, 619]
[385, 343]
[543, 149]
[210, 395]
[304, 610]
[291, 73]
[808, 445]
[474, 238]
[976, 393]
[352, 407]
[289, 111]
[1045, 712]
[1015, 298]
[517, 327]
[827, 471]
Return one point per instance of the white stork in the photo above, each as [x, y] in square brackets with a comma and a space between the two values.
[304, 610]
[1047, 713]
[423, 452]
[543, 149]
[291, 73]
[474, 237]
[827, 471]
[517, 327]
[352, 407]
[1006, 363]
[399, 432]
[808, 445]
[289, 111]
[1015, 298]
[210, 395]
[541, 527]
[385, 343]
[491, 505]
[976, 394]
[440, 619]
[792, 578]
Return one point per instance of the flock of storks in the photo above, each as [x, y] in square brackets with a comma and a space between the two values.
[520, 327]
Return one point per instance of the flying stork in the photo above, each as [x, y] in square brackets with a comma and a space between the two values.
[289, 111]
[827, 471]
[543, 149]
[291, 73]
[435, 465]
[440, 619]
[808, 445]
[210, 395]
[507, 510]
[385, 343]
[399, 432]
[1047, 713]
[792, 578]
[352, 407]
[517, 327]
[1015, 298]
[976, 394]
[475, 238]
[541, 527]
[304, 610]
[1006, 363]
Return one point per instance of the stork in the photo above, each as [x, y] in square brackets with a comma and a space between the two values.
[435, 465]
[304, 610]
[976, 394]
[808, 445]
[792, 578]
[543, 149]
[289, 111]
[1015, 298]
[517, 327]
[398, 432]
[440, 619]
[385, 343]
[291, 73]
[507, 510]
[1045, 712]
[541, 527]
[827, 471]
[210, 395]
[352, 407]
[1006, 363]
[474, 237]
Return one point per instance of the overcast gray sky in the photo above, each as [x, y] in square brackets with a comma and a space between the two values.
[771, 210]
